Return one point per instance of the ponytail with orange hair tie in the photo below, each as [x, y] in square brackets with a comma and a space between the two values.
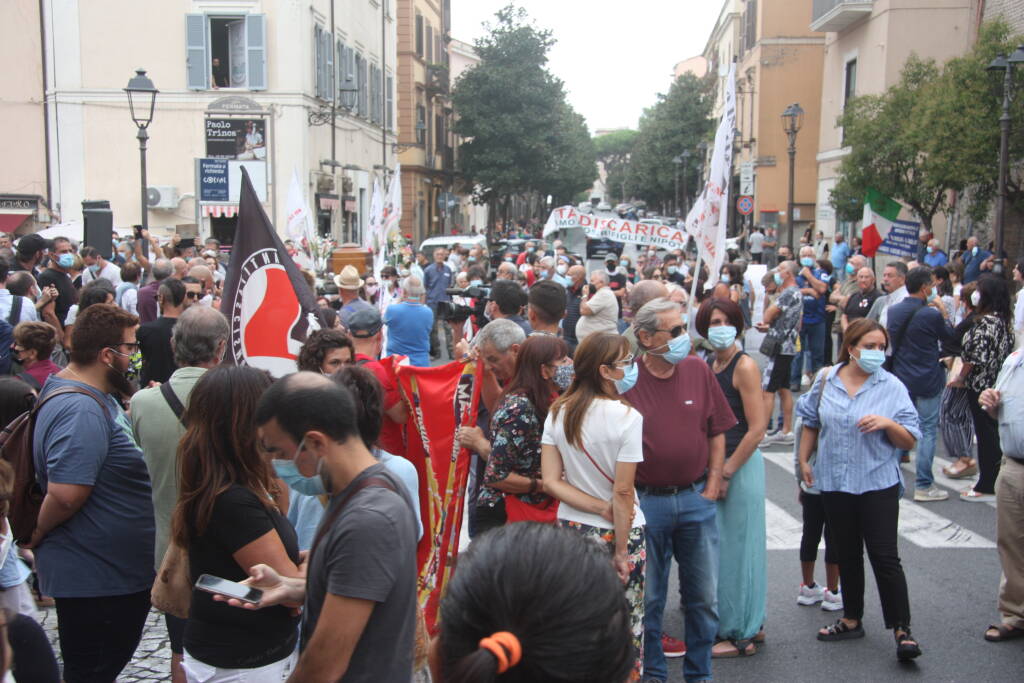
[506, 649]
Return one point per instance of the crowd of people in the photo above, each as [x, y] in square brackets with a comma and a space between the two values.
[623, 419]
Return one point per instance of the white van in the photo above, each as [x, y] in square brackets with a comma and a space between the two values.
[447, 241]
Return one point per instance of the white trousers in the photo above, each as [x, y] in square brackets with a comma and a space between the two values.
[200, 672]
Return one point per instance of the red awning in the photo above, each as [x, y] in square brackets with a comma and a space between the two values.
[9, 222]
[218, 210]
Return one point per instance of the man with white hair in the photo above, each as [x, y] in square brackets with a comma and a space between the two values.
[934, 256]
[409, 323]
[506, 271]
[599, 309]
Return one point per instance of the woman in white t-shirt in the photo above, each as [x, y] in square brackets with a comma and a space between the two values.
[591, 445]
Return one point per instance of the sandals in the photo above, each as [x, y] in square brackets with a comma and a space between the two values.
[961, 473]
[741, 648]
[841, 631]
[1003, 632]
[906, 647]
[972, 496]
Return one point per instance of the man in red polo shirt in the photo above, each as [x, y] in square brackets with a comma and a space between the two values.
[364, 326]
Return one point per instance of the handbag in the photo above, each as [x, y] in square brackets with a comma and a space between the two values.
[771, 345]
[518, 511]
[172, 590]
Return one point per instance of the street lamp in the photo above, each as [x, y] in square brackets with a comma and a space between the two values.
[141, 100]
[681, 160]
[1004, 64]
[792, 120]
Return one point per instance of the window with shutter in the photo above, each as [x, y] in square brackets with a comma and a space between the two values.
[361, 77]
[339, 60]
[419, 35]
[421, 119]
[430, 43]
[318, 61]
[328, 66]
[351, 83]
[389, 103]
[256, 50]
[196, 62]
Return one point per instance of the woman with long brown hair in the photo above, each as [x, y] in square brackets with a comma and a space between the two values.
[228, 521]
[591, 445]
[512, 488]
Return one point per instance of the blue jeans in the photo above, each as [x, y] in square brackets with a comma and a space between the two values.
[928, 415]
[812, 348]
[683, 526]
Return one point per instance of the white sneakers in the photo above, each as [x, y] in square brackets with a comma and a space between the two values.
[930, 495]
[779, 438]
[830, 602]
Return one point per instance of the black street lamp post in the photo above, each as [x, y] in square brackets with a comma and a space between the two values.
[1004, 64]
[792, 120]
[141, 100]
[683, 161]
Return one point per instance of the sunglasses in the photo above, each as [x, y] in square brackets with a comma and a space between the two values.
[674, 331]
[193, 295]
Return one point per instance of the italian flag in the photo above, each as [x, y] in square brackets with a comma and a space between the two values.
[879, 213]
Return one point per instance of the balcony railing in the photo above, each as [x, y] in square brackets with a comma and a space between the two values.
[437, 80]
[837, 15]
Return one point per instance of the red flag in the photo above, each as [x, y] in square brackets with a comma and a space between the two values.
[443, 399]
[267, 301]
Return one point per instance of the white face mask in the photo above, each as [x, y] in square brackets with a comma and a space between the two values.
[975, 298]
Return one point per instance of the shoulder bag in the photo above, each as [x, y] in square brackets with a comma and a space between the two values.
[172, 590]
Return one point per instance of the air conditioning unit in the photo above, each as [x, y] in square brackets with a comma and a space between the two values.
[162, 197]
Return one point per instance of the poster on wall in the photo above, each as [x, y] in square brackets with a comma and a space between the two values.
[236, 138]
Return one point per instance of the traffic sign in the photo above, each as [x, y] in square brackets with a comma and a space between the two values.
[745, 205]
[747, 178]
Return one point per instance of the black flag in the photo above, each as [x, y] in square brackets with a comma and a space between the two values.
[269, 304]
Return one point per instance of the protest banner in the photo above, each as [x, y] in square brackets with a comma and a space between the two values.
[659, 235]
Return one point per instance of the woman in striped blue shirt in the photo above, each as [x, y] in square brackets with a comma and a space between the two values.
[863, 419]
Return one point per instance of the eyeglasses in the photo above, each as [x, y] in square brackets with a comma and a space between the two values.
[673, 331]
[622, 363]
[193, 295]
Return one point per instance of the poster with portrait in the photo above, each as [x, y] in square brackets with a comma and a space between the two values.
[236, 138]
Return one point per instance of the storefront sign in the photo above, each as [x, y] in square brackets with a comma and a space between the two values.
[236, 138]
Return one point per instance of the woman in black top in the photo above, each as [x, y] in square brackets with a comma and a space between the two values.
[955, 421]
[229, 518]
[743, 573]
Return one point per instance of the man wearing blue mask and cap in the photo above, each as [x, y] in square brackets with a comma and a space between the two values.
[973, 259]
[686, 416]
[813, 283]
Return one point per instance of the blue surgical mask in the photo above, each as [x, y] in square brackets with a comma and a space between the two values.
[870, 360]
[678, 349]
[725, 278]
[807, 261]
[564, 375]
[624, 263]
[476, 283]
[630, 374]
[931, 296]
[66, 260]
[722, 337]
[562, 269]
[778, 279]
[930, 250]
[850, 268]
[530, 250]
[672, 270]
[288, 473]
[974, 251]
[94, 269]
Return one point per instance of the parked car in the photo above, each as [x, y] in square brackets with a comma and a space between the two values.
[448, 241]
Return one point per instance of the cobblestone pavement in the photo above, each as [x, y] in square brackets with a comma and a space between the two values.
[152, 660]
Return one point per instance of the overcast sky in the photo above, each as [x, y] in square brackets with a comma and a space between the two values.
[614, 56]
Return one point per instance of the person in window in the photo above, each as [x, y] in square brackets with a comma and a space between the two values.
[219, 74]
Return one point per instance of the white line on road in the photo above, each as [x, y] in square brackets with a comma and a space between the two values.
[954, 485]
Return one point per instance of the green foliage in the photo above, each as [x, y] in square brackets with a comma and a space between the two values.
[614, 150]
[520, 134]
[678, 121]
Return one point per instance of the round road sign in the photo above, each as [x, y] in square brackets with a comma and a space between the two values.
[745, 205]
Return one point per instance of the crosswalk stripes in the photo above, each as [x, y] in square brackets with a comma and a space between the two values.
[955, 485]
[924, 528]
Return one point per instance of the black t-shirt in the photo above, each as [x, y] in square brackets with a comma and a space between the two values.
[617, 283]
[859, 304]
[66, 294]
[225, 636]
[157, 357]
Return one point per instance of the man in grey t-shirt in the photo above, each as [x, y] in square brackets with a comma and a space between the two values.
[359, 595]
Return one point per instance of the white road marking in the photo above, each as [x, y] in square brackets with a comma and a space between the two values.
[919, 525]
[783, 529]
[954, 485]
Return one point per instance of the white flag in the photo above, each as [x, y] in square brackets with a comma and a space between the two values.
[299, 223]
[393, 204]
[708, 219]
[372, 239]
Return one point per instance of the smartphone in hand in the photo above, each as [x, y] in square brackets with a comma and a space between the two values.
[232, 589]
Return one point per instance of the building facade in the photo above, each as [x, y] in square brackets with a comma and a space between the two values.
[866, 45]
[275, 87]
[424, 118]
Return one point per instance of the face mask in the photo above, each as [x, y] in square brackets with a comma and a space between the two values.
[66, 260]
[288, 473]
[930, 250]
[870, 360]
[974, 251]
[849, 268]
[722, 337]
[630, 374]
[472, 259]
[807, 261]
[678, 349]
[778, 279]
[530, 250]
[562, 270]
[725, 278]
[476, 283]
[624, 263]
[976, 297]
[612, 268]
[545, 273]
[672, 270]
[508, 259]
[371, 289]
[564, 375]
[94, 269]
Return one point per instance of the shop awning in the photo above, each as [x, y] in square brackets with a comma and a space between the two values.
[220, 210]
[9, 222]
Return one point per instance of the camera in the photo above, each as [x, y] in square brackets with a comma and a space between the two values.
[459, 313]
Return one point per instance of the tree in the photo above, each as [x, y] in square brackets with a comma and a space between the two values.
[678, 121]
[521, 136]
[613, 151]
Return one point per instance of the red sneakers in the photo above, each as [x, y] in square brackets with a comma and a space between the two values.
[672, 647]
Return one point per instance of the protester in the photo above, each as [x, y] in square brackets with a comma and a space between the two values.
[813, 283]
[14, 309]
[326, 351]
[15, 592]
[532, 602]
[917, 326]
[685, 420]
[62, 259]
[860, 302]
[573, 297]
[365, 330]
[861, 420]
[591, 445]
[1018, 309]
[546, 310]
[94, 537]
[33, 345]
[935, 257]
[973, 260]
[227, 520]
[985, 346]
[599, 308]
[894, 278]
[356, 624]
[438, 277]
[96, 266]
[743, 570]
[126, 294]
[781, 323]
[409, 324]
[771, 242]
[349, 283]
[155, 336]
[1003, 401]
[955, 419]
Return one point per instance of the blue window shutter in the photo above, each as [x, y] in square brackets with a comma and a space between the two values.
[197, 66]
[328, 67]
[256, 50]
[389, 104]
[339, 62]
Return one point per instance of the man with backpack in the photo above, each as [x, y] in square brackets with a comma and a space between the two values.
[93, 538]
[199, 340]
[14, 309]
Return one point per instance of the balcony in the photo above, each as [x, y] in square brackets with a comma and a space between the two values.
[437, 80]
[838, 15]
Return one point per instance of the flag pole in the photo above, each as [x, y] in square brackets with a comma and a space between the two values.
[693, 296]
